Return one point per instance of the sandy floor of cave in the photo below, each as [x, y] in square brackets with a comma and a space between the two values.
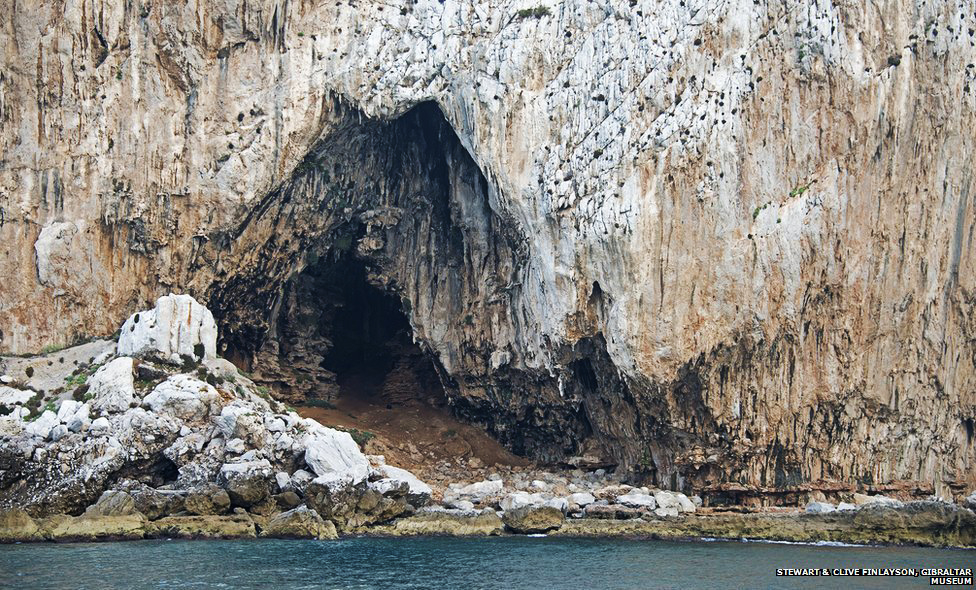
[417, 436]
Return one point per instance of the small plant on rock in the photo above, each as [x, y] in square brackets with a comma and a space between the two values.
[534, 12]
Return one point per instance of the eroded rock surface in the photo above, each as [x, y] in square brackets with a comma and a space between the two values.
[708, 241]
[160, 461]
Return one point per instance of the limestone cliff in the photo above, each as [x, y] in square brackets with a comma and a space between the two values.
[710, 241]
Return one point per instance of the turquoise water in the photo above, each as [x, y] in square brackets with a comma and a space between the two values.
[506, 562]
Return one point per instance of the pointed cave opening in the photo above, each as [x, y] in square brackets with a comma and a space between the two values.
[378, 215]
[373, 356]
[344, 344]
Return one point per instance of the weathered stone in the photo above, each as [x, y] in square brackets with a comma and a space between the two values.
[581, 499]
[67, 410]
[234, 526]
[819, 508]
[637, 500]
[300, 523]
[112, 503]
[970, 501]
[112, 387]
[481, 490]
[206, 501]
[611, 511]
[247, 483]
[182, 397]
[331, 453]
[533, 519]
[155, 504]
[17, 525]
[418, 493]
[865, 500]
[287, 499]
[11, 397]
[177, 326]
[445, 523]
[521, 500]
[93, 527]
[41, 427]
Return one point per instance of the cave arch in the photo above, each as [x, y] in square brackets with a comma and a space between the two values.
[403, 211]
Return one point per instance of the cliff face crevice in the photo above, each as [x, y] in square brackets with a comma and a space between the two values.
[749, 225]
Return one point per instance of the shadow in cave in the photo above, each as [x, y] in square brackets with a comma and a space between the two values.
[372, 354]
[376, 213]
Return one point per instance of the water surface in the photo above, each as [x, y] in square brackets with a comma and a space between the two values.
[500, 562]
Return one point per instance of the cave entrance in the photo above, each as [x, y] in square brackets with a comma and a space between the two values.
[373, 356]
[344, 342]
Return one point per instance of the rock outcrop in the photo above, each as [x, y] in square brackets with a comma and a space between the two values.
[173, 455]
[708, 242]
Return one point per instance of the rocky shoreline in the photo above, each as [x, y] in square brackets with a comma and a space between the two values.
[157, 437]
[920, 523]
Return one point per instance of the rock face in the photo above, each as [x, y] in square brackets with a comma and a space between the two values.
[689, 241]
[533, 519]
[179, 456]
[300, 523]
[112, 387]
[177, 327]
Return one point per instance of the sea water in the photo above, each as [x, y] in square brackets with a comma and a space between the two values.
[496, 562]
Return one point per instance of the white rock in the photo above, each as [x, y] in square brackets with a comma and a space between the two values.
[846, 506]
[183, 397]
[636, 499]
[10, 396]
[284, 442]
[112, 387]
[864, 500]
[252, 455]
[481, 489]
[54, 253]
[520, 500]
[418, 489]
[465, 505]
[68, 409]
[5, 379]
[581, 499]
[174, 328]
[80, 421]
[274, 424]
[819, 508]
[236, 445]
[58, 432]
[663, 511]
[299, 480]
[684, 504]
[282, 479]
[100, 425]
[41, 427]
[238, 420]
[667, 500]
[332, 454]
[561, 504]
[540, 485]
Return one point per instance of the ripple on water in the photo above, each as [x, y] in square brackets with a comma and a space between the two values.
[501, 562]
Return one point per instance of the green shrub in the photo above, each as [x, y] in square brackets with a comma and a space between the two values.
[360, 436]
[320, 403]
[535, 12]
